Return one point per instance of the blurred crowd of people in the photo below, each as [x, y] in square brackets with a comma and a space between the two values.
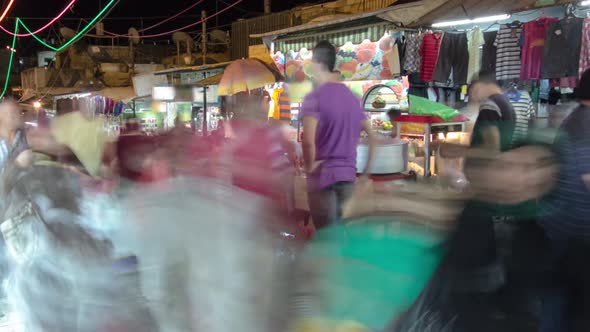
[178, 232]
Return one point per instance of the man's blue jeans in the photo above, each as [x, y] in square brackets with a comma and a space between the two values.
[326, 205]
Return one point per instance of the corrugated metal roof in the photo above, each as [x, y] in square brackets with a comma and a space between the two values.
[241, 30]
[469, 9]
[317, 25]
[192, 68]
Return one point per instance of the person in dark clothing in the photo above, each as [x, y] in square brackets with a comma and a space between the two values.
[474, 266]
[565, 220]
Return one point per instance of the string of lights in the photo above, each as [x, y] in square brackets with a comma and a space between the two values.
[76, 37]
[10, 60]
[19, 23]
[49, 24]
[5, 12]
[57, 49]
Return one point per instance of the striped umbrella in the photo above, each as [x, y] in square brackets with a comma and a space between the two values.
[246, 75]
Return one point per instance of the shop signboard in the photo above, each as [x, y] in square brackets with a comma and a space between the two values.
[212, 97]
[172, 93]
[356, 62]
[399, 86]
[151, 121]
[144, 84]
[196, 76]
[163, 93]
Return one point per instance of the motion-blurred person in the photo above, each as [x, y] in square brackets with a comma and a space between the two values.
[257, 152]
[333, 120]
[76, 138]
[14, 146]
[478, 271]
[566, 220]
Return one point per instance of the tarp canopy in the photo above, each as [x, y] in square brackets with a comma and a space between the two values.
[124, 94]
[213, 80]
[452, 10]
[413, 14]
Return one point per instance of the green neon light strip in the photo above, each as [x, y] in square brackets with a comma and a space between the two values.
[10, 60]
[56, 49]
[76, 37]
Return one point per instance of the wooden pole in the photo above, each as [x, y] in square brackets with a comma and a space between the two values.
[204, 36]
[267, 8]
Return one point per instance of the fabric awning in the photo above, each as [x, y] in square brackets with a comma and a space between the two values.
[213, 80]
[453, 10]
[124, 94]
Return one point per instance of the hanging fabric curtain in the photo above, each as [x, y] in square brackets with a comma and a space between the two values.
[284, 106]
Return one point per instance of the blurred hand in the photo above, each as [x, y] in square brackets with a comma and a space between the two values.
[514, 177]
[316, 165]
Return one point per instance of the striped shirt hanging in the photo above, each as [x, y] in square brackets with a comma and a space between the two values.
[285, 107]
[524, 109]
[508, 60]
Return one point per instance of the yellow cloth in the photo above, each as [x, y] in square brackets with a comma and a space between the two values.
[85, 137]
[276, 95]
[324, 325]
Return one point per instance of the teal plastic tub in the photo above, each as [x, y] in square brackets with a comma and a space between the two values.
[372, 270]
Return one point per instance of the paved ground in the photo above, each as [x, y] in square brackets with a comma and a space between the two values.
[8, 320]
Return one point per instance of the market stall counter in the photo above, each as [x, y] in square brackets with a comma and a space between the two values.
[429, 122]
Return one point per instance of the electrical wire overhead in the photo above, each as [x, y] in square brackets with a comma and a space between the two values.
[76, 37]
[10, 60]
[57, 49]
[114, 35]
[110, 4]
[163, 21]
[49, 24]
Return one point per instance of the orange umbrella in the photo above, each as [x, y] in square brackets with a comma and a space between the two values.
[246, 75]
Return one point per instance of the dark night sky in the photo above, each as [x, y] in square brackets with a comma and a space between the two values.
[127, 12]
[130, 13]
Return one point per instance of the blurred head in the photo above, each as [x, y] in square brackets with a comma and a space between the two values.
[324, 58]
[483, 87]
[583, 90]
[10, 119]
[251, 105]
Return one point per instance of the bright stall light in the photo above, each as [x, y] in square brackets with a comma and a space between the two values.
[163, 107]
[37, 105]
[475, 20]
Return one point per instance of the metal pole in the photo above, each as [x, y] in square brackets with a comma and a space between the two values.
[205, 124]
[427, 133]
[204, 36]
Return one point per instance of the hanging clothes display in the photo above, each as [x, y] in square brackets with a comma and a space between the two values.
[400, 44]
[561, 53]
[533, 42]
[412, 56]
[488, 53]
[523, 107]
[429, 55]
[508, 52]
[475, 42]
[453, 57]
[275, 109]
[585, 47]
[285, 107]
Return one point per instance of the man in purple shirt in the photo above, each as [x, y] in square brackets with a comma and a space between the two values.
[332, 119]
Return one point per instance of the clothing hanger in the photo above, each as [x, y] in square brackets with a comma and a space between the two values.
[515, 24]
[513, 92]
[492, 25]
